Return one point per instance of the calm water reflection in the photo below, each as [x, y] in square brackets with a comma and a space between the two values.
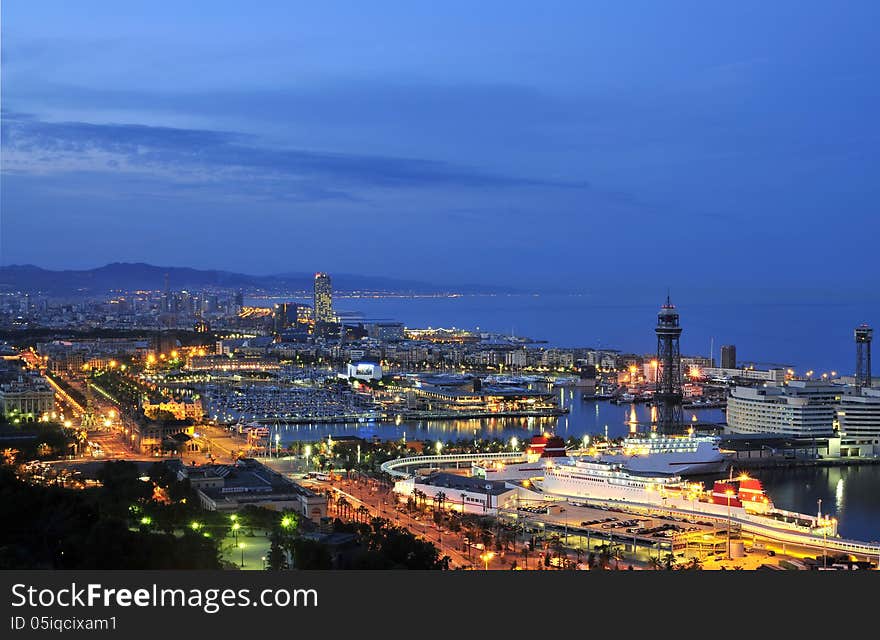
[851, 494]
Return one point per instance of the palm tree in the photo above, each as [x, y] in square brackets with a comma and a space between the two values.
[556, 544]
[616, 555]
[604, 558]
[343, 507]
[441, 499]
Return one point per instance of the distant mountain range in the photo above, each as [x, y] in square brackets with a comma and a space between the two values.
[129, 276]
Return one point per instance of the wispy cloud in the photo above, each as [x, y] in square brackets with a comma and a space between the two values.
[189, 158]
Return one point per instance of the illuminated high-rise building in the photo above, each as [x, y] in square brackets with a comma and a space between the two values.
[863, 333]
[323, 298]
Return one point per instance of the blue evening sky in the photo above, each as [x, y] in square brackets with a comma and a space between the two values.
[577, 144]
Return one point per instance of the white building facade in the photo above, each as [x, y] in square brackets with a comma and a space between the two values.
[801, 409]
[858, 421]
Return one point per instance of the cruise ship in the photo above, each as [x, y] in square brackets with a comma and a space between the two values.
[742, 498]
[681, 455]
[540, 451]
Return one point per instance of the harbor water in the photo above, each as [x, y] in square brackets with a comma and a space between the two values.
[802, 335]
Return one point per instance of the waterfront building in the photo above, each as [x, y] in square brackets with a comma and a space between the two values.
[483, 399]
[323, 298]
[774, 376]
[858, 421]
[800, 408]
[728, 356]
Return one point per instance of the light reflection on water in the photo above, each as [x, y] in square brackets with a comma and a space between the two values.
[849, 494]
[585, 418]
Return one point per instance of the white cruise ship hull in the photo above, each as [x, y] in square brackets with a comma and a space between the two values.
[678, 464]
[678, 456]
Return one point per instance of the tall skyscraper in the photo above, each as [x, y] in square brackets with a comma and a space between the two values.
[668, 394]
[166, 297]
[728, 356]
[863, 333]
[280, 316]
[323, 298]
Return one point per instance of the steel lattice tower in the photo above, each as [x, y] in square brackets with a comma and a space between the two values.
[667, 395]
[864, 334]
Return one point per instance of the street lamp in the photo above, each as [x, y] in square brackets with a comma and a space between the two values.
[485, 557]
[729, 494]
[824, 526]
[824, 542]
[241, 546]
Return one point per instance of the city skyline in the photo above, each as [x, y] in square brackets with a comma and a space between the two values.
[599, 146]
